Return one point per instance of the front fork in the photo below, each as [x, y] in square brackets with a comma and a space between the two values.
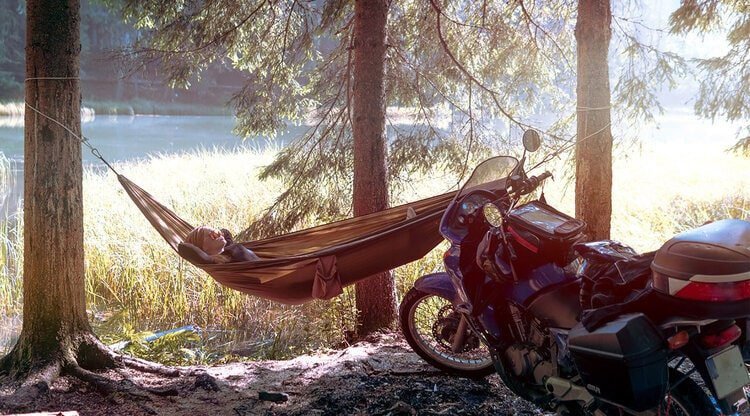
[483, 326]
[460, 338]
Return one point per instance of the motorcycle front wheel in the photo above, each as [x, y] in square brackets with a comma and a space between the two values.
[430, 324]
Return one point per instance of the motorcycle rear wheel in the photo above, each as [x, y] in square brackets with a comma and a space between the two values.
[429, 324]
[686, 399]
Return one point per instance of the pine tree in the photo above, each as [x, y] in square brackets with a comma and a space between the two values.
[56, 337]
[594, 132]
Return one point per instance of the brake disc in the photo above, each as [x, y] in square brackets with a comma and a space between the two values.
[445, 327]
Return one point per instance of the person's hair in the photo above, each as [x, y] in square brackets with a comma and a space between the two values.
[196, 238]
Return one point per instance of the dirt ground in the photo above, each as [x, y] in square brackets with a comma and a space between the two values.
[379, 376]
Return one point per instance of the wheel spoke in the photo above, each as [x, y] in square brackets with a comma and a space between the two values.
[434, 324]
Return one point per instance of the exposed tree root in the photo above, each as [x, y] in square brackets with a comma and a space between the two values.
[94, 355]
[148, 367]
[108, 386]
[102, 384]
[36, 384]
[81, 360]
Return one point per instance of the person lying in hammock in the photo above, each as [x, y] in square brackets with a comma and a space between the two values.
[213, 246]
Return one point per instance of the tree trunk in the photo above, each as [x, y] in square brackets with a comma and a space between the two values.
[376, 299]
[594, 144]
[54, 306]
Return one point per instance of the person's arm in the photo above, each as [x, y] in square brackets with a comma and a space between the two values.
[238, 252]
[227, 236]
[193, 254]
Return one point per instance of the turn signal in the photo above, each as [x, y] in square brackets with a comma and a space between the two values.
[725, 337]
[678, 340]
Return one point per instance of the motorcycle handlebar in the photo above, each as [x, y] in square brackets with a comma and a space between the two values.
[525, 186]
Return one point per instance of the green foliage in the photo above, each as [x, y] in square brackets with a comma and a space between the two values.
[183, 347]
[12, 30]
[178, 348]
[725, 79]
[742, 147]
[453, 70]
[462, 78]
[645, 70]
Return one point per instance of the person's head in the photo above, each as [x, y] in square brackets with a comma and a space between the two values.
[208, 239]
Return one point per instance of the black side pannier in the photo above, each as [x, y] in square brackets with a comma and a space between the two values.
[545, 231]
[623, 361]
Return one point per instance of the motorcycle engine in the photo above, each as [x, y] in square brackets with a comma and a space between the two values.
[534, 360]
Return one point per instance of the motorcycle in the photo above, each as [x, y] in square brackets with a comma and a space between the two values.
[583, 328]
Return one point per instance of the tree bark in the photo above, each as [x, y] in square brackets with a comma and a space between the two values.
[594, 144]
[376, 299]
[55, 325]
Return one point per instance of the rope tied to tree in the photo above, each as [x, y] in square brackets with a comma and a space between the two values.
[83, 139]
[582, 109]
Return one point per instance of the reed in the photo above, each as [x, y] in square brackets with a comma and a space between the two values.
[132, 272]
[5, 176]
[129, 267]
[11, 246]
[11, 109]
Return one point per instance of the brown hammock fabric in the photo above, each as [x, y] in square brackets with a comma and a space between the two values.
[318, 262]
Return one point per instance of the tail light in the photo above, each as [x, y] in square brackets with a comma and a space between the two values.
[721, 338]
[716, 292]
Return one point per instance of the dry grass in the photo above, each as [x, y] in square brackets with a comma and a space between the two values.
[129, 266]
[657, 193]
[11, 247]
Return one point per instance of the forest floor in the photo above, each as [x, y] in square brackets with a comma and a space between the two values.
[378, 376]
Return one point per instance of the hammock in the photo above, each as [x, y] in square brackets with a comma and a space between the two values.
[318, 262]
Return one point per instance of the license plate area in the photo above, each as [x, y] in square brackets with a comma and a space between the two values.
[728, 372]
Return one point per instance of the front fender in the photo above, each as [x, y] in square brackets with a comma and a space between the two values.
[438, 284]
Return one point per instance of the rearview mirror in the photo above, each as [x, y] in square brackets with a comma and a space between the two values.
[492, 214]
[531, 140]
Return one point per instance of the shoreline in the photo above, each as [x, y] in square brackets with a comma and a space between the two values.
[92, 108]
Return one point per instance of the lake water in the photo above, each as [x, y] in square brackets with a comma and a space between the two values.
[121, 138]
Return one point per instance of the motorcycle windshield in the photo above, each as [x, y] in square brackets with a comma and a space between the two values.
[491, 175]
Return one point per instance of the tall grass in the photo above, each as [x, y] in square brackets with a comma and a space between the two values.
[129, 266]
[12, 114]
[131, 271]
[665, 190]
[11, 246]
